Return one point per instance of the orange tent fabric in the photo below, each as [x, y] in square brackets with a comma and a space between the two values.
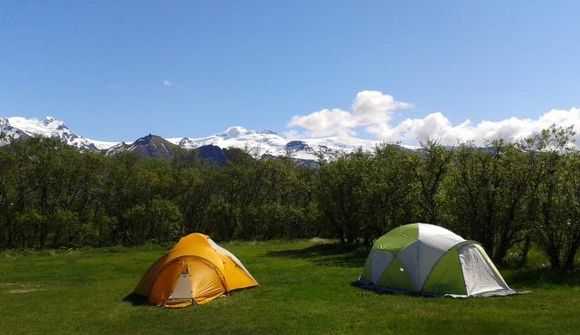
[196, 270]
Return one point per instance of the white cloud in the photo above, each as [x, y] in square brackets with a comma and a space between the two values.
[373, 111]
[167, 83]
[326, 122]
[369, 108]
[437, 126]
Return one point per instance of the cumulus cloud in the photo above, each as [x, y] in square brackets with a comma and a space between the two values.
[368, 109]
[372, 111]
[437, 126]
[167, 83]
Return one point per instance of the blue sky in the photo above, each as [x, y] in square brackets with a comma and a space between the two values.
[117, 70]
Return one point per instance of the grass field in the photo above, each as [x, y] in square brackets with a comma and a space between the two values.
[305, 289]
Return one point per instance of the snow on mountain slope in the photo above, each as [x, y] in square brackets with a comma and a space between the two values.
[258, 143]
[10, 132]
[103, 145]
[19, 127]
[269, 143]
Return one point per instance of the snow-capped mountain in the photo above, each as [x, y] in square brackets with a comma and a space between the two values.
[21, 128]
[257, 143]
[266, 142]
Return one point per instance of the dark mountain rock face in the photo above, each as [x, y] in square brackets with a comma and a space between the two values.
[151, 146]
[209, 154]
[294, 146]
[155, 147]
[212, 154]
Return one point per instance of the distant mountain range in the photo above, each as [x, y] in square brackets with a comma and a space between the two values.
[259, 144]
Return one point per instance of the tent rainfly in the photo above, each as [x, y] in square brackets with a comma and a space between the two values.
[196, 270]
[430, 260]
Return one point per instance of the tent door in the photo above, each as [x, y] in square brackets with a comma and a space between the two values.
[479, 276]
[182, 288]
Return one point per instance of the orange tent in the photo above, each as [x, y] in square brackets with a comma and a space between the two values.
[196, 270]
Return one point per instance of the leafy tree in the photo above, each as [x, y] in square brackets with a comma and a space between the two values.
[339, 195]
[486, 193]
[556, 201]
[389, 191]
[430, 168]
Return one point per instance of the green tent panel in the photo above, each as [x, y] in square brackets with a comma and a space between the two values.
[366, 274]
[398, 238]
[396, 277]
[446, 276]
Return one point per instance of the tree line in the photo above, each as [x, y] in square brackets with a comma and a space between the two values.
[508, 196]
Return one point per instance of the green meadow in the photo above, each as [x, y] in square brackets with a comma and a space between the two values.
[305, 288]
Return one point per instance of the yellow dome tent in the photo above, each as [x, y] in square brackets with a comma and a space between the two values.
[196, 270]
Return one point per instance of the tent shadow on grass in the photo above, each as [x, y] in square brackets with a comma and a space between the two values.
[327, 255]
[136, 299]
[356, 284]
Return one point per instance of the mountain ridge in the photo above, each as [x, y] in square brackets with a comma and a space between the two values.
[257, 143]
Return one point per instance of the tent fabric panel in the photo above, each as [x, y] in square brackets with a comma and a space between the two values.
[237, 278]
[398, 238]
[379, 260]
[434, 241]
[165, 283]
[148, 279]
[491, 265]
[396, 277]
[201, 251]
[438, 237]
[427, 257]
[206, 284]
[193, 245]
[446, 277]
[478, 275]
[409, 257]
[182, 289]
[192, 240]
[366, 273]
[224, 252]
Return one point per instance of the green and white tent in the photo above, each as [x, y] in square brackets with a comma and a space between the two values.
[430, 260]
